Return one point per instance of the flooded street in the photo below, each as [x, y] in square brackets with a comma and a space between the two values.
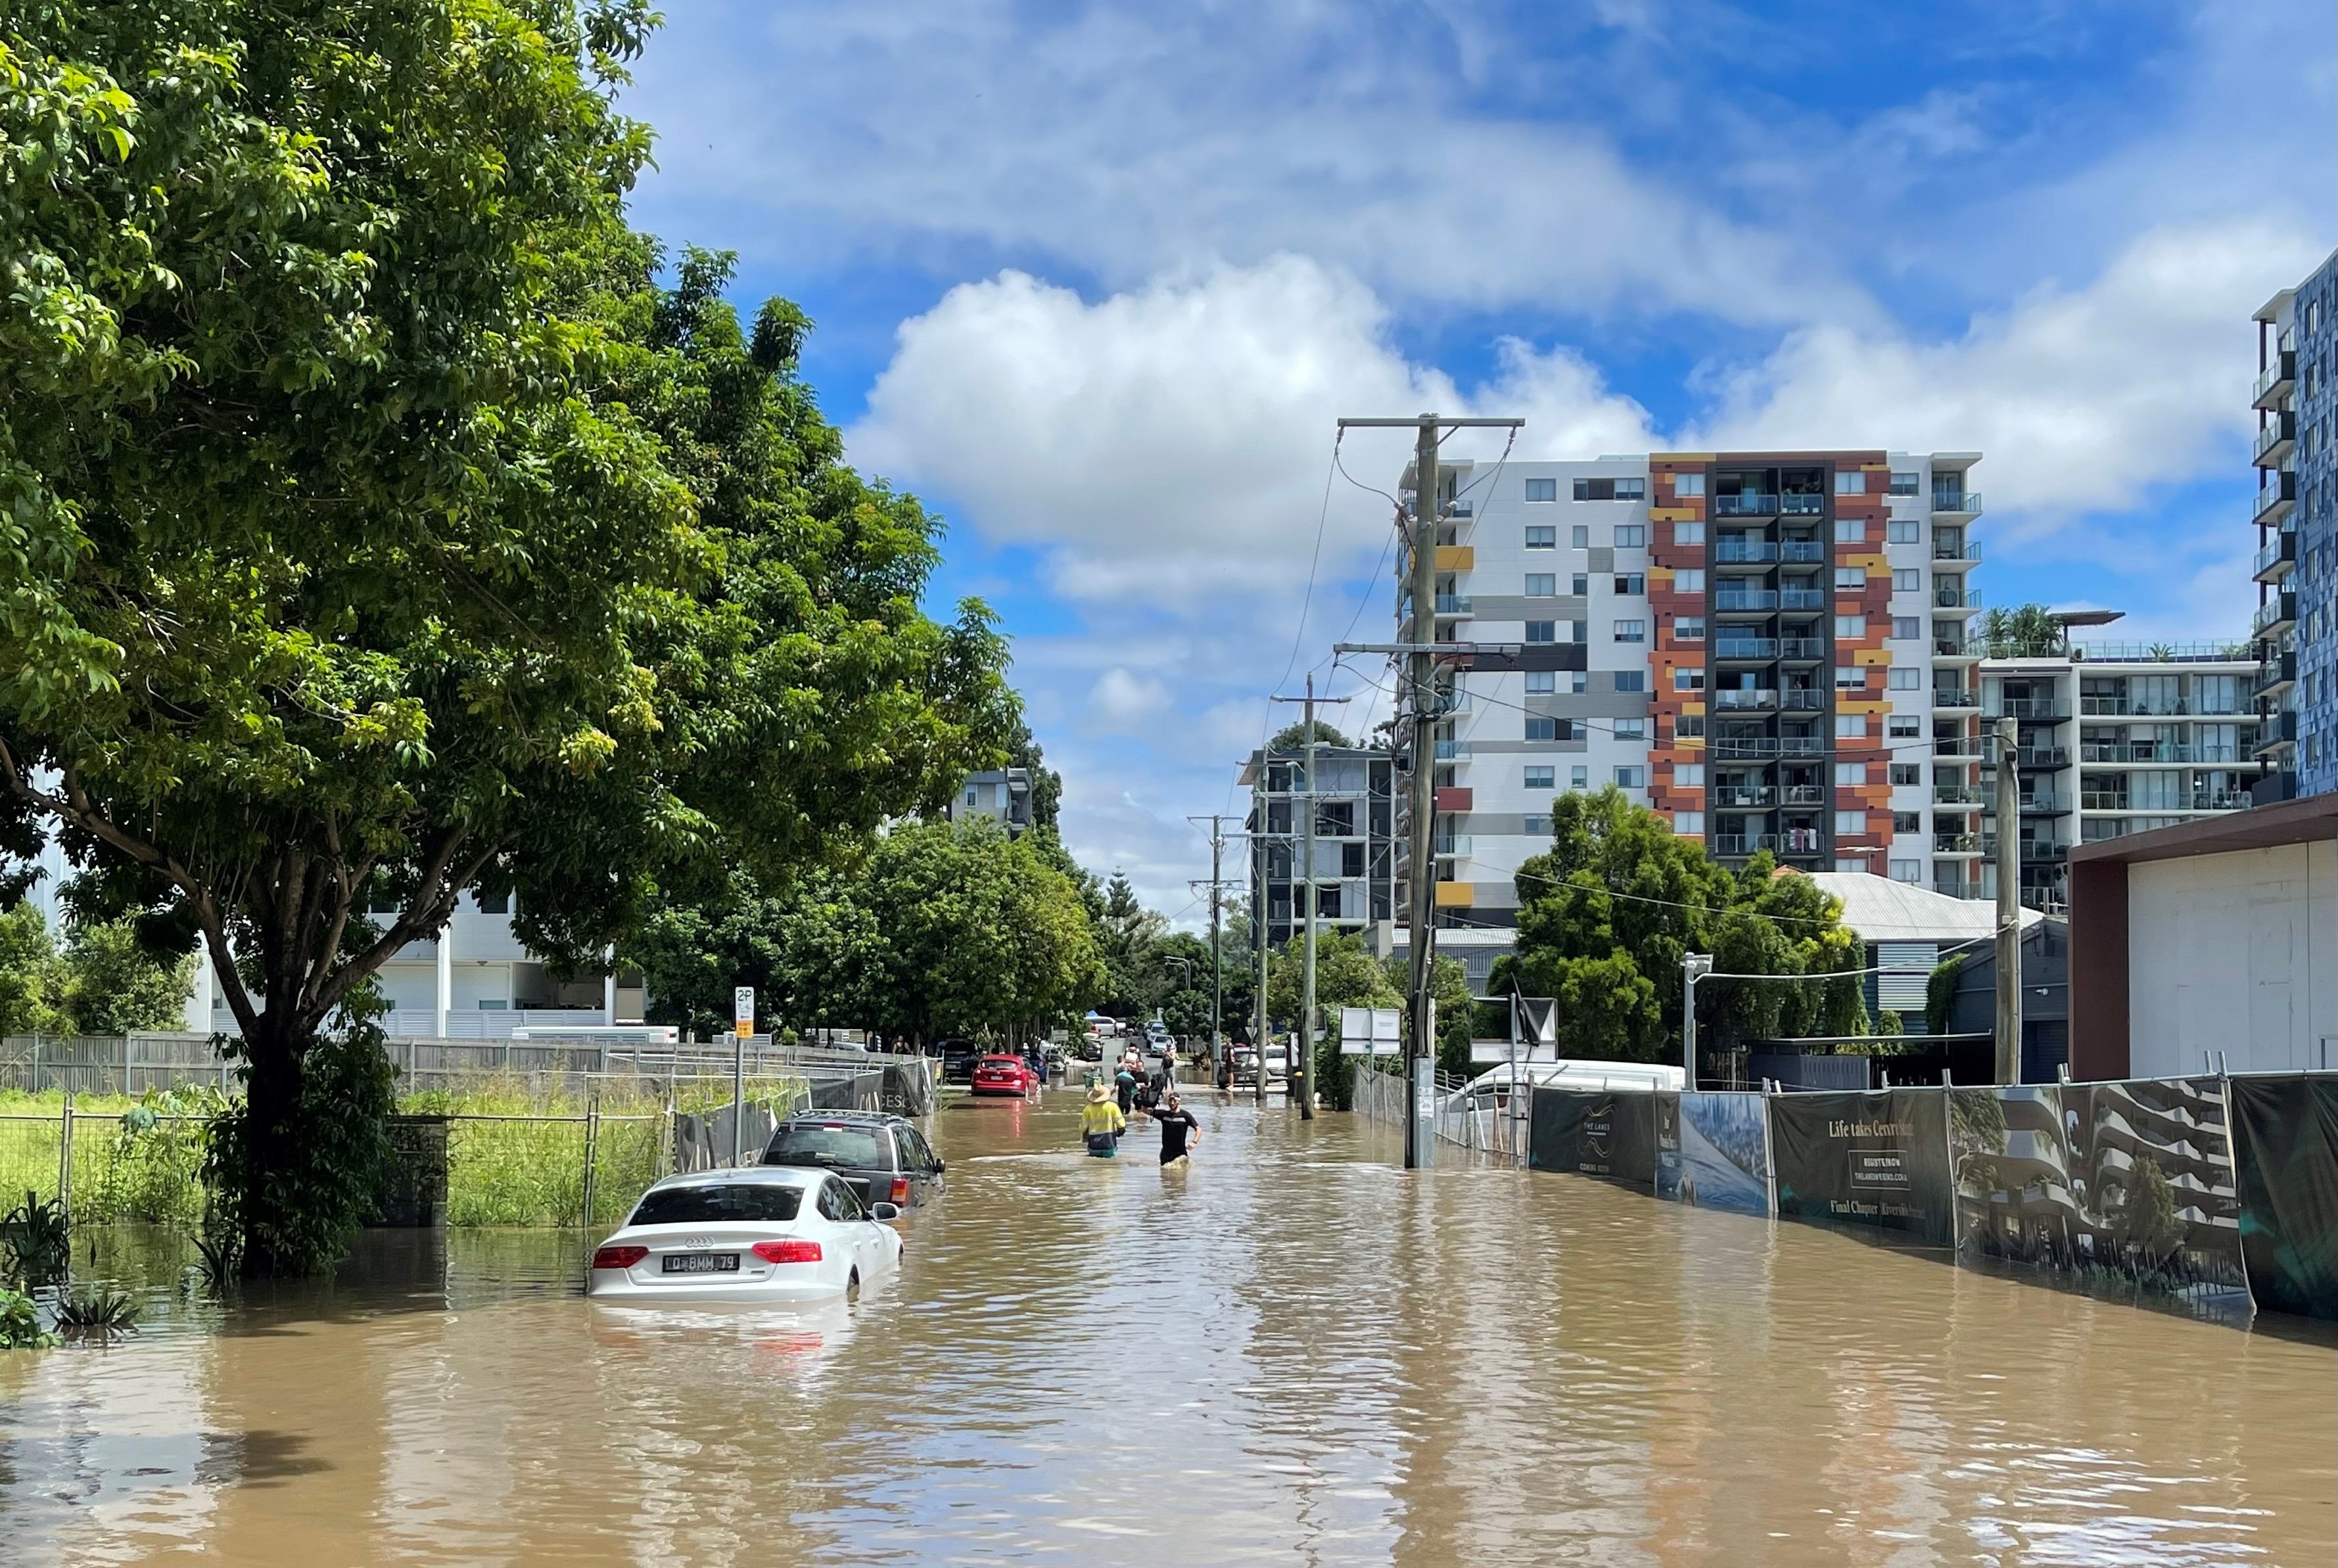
[1292, 1353]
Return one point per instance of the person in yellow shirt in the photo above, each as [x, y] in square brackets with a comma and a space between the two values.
[1101, 1123]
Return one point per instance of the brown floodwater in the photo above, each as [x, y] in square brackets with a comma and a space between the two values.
[1292, 1353]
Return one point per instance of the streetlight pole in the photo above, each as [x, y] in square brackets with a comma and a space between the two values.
[1695, 966]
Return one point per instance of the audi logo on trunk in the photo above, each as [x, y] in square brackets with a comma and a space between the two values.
[698, 1241]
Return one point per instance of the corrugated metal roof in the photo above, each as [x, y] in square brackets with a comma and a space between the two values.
[1882, 910]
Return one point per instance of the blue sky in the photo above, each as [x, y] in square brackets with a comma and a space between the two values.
[1095, 279]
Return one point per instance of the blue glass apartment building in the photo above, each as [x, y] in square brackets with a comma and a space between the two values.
[2296, 514]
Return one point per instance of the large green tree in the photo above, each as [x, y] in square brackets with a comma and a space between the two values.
[1605, 916]
[376, 527]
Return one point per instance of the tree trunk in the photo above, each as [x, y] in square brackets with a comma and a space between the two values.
[277, 1052]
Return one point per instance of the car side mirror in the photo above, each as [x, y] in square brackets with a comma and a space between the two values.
[884, 1212]
[940, 1166]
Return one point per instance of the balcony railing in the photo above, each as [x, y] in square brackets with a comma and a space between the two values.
[1742, 796]
[2150, 753]
[1955, 648]
[1956, 843]
[1965, 552]
[1955, 599]
[1802, 599]
[1802, 648]
[2273, 382]
[1803, 700]
[1453, 605]
[1803, 795]
[1452, 751]
[1758, 599]
[1760, 748]
[1763, 648]
[2042, 709]
[2274, 438]
[1965, 503]
[1944, 698]
[2278, 558]
[1731, 844]
[1808, 552]
[1801, 505]
[2276, 497]
[1460, 508]
[1957, 794]
[1745, 503]
[1743, 552]
[1450, 844]
[2276, 672]
[2280, 609]
[1743, 697]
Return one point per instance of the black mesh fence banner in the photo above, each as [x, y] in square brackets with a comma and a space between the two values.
[1712, 1150]
[1607, 1134]
[1879, 1159]
[2288, 1183]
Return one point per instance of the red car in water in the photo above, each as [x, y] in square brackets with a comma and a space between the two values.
[1003, 1074]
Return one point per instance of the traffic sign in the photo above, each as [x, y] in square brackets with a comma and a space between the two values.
[743, 1009]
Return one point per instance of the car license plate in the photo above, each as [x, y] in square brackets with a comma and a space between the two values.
[702, 1263]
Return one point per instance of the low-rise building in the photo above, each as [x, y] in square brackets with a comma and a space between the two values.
[1002, 794]
[1352, 882]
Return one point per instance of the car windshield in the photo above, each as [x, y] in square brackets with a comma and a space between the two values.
[828, 1143]
[762, 1201]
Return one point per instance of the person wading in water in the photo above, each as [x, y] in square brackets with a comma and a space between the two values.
[1178, 1129]
[1101, 1123]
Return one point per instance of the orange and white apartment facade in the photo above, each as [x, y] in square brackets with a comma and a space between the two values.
[1768, 649]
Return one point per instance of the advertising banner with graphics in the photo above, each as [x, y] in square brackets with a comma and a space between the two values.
[1879, 1159]
[1607, 1134]
[2288, 1171]
[1712, 1150]
[2130, 1183]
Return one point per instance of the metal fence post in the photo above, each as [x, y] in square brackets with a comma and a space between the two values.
[64, 1158]
[591, 1142]
[125, 1063]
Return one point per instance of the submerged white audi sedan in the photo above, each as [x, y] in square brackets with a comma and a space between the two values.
[764, 1233]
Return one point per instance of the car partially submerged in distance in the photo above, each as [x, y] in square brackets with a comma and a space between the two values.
[885, 1159]
[1001, 1073]
[769, 1234]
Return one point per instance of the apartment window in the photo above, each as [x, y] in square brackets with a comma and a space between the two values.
[1907, 483]
[1688, 775]
[1327, 902]
[1631, 537]
[1847, 677]
[1907, 871]
[1907, 773]
[1541, 729]
[1849, 822]
[1540, 777]
[1576, 681]
[1689, 580]
[1688, 824]
[1907, 628]
[1851, 625]
[1850, 773]
[1542, 489]
[1907, 580]
[973, 795]
[1631, 776]
[1542, 538]
[1351, 860]
[1850, 531]
[1849, 482]
[1690, 533]
[1686, 485]
[1906, 678]
[1534, 823]
[1542, 631]
[1578, 632]
[1689, 627]
[1579, 777]
[1903, 531]
[1581, 584]
[1631, 630]
[1631, 728]
[1542, 586]
[1850, 862]
[1631, 681]
[1611, 489]
[1852, 577]
[1541, 681]
[1850, 726]
[1905, 727]
[493, 903]
[1631, 582]
[1689, 725]
[1687, 679]
[1906, 821]
[1580, 535]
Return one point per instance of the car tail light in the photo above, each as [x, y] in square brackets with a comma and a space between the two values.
[619, 1257]
[788, 1251]
[900, 1189]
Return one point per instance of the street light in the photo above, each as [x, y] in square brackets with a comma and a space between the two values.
[1695, 966]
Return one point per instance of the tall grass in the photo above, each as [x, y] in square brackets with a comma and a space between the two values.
[123, 1167]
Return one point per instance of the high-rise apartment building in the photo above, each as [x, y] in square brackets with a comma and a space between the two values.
[2115, 738]
[1353, 880]
[1768, 649]
[2297, 536]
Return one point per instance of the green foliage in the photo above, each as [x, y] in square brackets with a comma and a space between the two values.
[946, 929]
[31, 976]
[2149, 1222]
[1888, 1024]
[378, 528]
[20, 1323]
[38, 1238]
[106, 982]
[1346, 975]
[297, 1185]
[2024, 632]
[1940, 992]
[1605, 916]
[1292, 738]
[150, 1168]
[97, 1314]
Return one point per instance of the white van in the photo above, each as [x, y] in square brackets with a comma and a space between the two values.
[1480, 1091]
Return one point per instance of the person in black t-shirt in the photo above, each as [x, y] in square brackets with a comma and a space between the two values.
[1178, 1128]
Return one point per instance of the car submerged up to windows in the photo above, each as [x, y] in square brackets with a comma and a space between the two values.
[772, 1235]
[883, 1159]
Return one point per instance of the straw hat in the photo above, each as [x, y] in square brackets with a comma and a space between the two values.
[1098, 1094]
